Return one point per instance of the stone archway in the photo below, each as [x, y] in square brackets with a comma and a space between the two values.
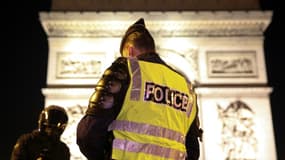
[186, 63]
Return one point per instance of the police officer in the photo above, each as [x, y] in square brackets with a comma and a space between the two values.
[141, 108]
[44, 143]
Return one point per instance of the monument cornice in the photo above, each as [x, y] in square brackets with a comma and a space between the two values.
[161, 24]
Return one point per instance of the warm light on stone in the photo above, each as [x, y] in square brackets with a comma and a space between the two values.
[221, 49]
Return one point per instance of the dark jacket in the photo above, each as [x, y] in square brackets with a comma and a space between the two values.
[36, 145]
[93, 138]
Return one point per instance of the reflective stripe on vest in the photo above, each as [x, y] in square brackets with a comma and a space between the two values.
[147, 129]
[149, 149]
[136, 72]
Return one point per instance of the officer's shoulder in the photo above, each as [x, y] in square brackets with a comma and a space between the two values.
[119, 64]
[120, 61]
[119, 68]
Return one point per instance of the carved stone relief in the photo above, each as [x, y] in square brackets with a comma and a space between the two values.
[85, 65]
[238, 137]
[232, 64]
[75, 113]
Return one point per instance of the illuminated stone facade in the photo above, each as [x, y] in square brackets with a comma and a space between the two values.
[221, 52]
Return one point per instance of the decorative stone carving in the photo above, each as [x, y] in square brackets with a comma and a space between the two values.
[189, 24]
[85, 65]
[232, 64]
[238, 131]
[237, 123]
[75, 113]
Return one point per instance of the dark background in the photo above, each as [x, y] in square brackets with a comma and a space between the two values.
[24, 67]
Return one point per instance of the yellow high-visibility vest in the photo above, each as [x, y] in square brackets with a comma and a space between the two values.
[156, 115]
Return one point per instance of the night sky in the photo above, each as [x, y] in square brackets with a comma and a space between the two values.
[25, 54]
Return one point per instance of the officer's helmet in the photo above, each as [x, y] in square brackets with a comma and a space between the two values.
[53, 120]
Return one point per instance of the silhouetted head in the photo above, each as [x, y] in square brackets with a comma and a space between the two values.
[52, 121]
[137, 36]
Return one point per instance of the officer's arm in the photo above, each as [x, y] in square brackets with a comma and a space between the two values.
[105, 103]
[192, 141]
[193, 136]
[110, 90]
